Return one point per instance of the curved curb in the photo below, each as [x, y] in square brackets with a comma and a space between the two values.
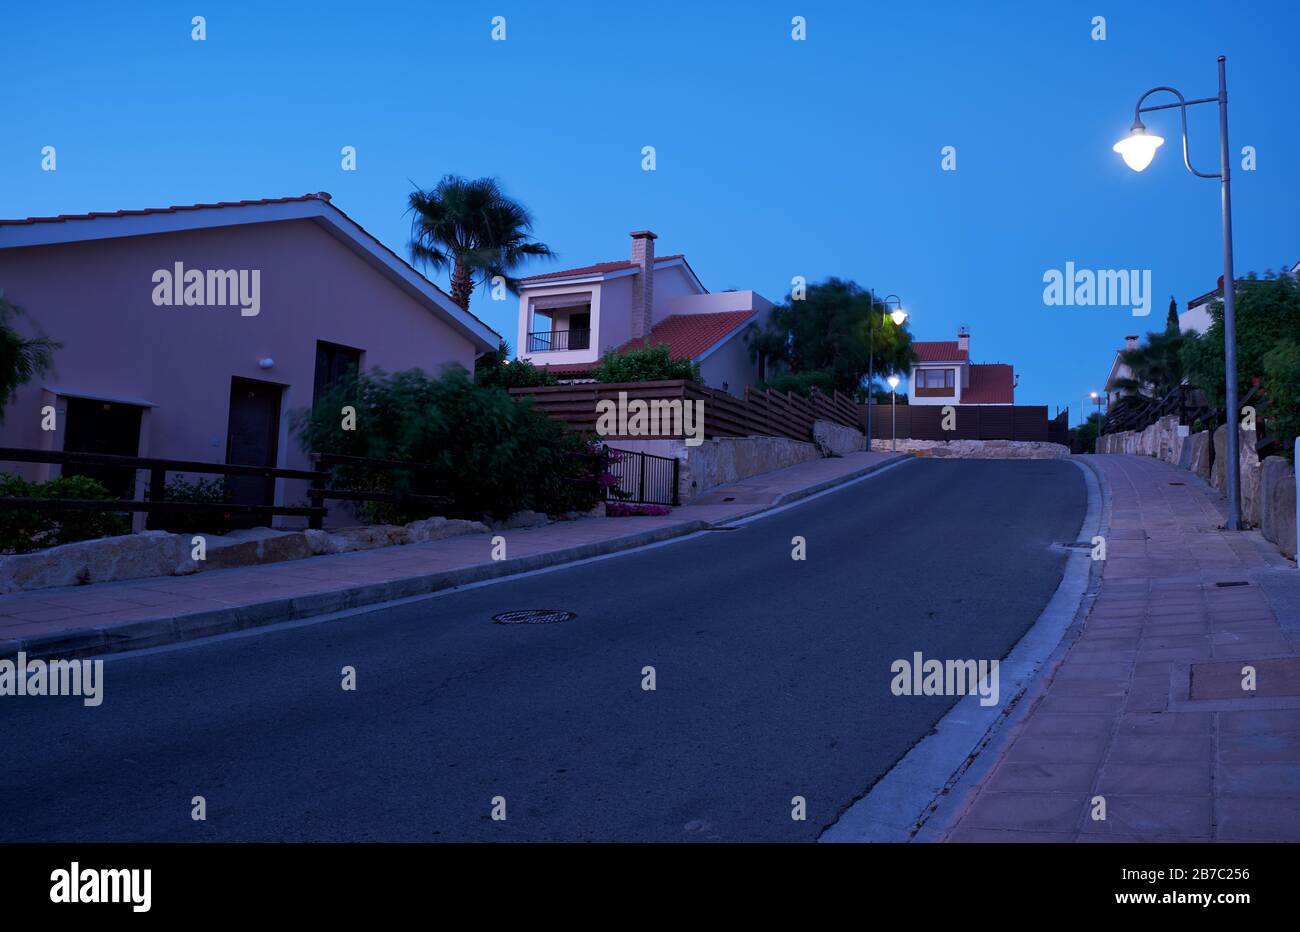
[924, 795]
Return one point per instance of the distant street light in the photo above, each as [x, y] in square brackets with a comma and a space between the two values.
[1097, 398]
[1137, 150]
[893, 413]
[898, 315]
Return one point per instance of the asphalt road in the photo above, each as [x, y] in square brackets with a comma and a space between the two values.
[772, 681]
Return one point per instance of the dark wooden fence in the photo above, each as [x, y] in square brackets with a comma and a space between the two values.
[156, 503]
[971, 422]
[759, 413]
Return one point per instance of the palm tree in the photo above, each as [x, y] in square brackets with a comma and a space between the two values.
[472, 228]
[21, 360]
[1157, 366]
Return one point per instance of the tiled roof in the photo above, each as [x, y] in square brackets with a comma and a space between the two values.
[939, 351]
[689, 335]
[600, 268]
[990, 384]
[318, 196]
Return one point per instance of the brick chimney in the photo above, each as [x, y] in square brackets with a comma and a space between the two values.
[1130, 342]
[963, 339]
[643, 282]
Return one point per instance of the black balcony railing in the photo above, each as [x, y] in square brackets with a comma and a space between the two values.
[547, 341]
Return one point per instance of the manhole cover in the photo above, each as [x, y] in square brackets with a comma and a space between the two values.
[534, 616]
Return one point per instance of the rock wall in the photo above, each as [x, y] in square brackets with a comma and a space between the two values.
[157, 553]
[724, 459]
[1268, 489]
[835, 439]
[1277, 492]
[976, 449]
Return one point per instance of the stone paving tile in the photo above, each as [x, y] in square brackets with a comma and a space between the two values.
[1114, 719]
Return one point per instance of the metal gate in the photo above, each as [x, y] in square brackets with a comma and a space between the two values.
[642, 478]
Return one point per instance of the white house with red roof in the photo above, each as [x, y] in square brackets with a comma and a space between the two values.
[944, 375]
[192, 332]
[569, 319]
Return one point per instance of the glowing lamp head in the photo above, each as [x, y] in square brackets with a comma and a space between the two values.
[898, 316]
[893, 382]
[1139, 147]
[1093, 394]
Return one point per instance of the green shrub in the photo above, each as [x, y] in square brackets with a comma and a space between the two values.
[498, 370]
[25, 530]
[647, 364]
[200, 491]
[802, 383]
[1282, 388]
[490, 454]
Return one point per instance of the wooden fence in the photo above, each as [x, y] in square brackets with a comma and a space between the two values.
[759, 413]
[156, 503]
[971, 422]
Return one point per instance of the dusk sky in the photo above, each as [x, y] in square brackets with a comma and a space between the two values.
[775, 157]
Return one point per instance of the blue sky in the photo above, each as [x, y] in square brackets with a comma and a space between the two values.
[775, 158]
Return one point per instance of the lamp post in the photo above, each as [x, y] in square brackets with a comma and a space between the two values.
[893, 413]
[1137, 150]
[1097, 398]
[898, 315]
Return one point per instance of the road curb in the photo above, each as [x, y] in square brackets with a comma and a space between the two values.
[924, 795]
[171, 629]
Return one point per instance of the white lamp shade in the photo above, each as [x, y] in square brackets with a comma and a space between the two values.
[893, 382]
[899, 316]
[1138, 148]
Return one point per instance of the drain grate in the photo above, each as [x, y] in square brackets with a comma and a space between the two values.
[1235, 582]
[1178, 483]
[722, 527]
[1076, 545]
[534, 616]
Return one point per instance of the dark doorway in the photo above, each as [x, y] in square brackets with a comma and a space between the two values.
[103, 427]
[253, 439]
[333, 362]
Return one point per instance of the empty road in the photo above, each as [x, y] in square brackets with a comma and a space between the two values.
[772, 680]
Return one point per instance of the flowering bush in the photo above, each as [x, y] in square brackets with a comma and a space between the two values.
[628, 510]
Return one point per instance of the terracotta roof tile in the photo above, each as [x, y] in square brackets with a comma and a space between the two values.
[319, 196]
[689, 335]
[990, 384]
[939, 351]
[600, 268]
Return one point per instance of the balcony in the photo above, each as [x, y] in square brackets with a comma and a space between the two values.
[557, 341]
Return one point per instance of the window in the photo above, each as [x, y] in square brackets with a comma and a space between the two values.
[333, 362]
[935, 378]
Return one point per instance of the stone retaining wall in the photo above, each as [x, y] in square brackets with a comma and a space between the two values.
[1267, 489]
[977, 449]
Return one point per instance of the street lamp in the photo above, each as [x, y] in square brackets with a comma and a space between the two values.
[1097, 398]
[1137, 150]
[897, 315]
[893, 413]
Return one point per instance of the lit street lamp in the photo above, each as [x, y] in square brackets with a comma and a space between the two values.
[893, 413]
[1097, 398]
[898, 315]
[1137, 150]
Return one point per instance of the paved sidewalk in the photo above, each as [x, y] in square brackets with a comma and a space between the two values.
[1147, 707]
[77, 621]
